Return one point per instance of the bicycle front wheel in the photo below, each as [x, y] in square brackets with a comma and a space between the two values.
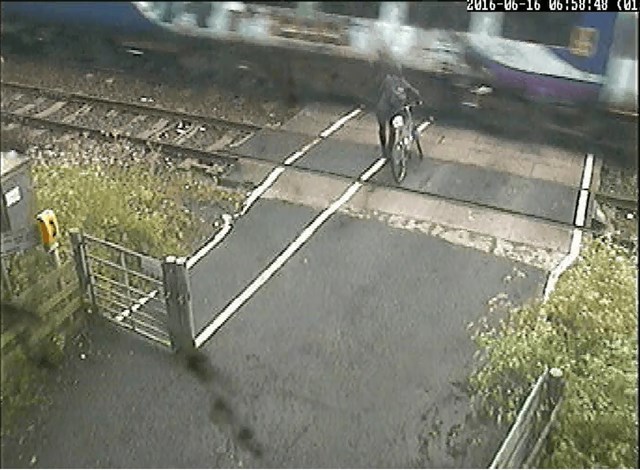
[399, 162]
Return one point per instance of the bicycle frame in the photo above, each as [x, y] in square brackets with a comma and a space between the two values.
[402, 124]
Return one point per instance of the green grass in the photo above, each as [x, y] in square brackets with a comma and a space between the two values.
[143, 210]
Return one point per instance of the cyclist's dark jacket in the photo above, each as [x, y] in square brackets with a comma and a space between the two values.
[395, 93]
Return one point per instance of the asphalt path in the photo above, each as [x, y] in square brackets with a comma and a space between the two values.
[359, 346]
[256, 238]
[349, 357]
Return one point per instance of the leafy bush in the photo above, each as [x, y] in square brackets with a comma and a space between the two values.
[587, 328]
[145, 211]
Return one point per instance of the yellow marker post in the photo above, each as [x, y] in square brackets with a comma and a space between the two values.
[49, 232]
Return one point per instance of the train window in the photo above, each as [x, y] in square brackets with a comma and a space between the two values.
[553, 29]
[626, 36]
[439, 15]
[369, 10]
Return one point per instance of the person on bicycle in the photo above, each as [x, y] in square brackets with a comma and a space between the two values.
[395, 93]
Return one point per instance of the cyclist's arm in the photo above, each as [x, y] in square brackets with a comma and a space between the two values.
[413, 91]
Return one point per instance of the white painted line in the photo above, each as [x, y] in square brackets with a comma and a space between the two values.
[581, 211]
[260, 190]
[583, 198]
[339, 123]
[576, 236]
[275, 174]
[212, 244]
[296, 155]
[374, 169]
[270, 180]
[281, 259]
[588, 172]
[554, 275]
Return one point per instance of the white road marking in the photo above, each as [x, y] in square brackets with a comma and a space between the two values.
[209, 246]
[583, 199]
[588, 172]
[581, 210]
[339, 123]
[554, 275]
[300, 240]
[296, 155]
[373, 169]
[576, 236]
[260, 190]
[275, 174]
[281, 259]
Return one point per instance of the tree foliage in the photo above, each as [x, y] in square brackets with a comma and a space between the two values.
[588, 329]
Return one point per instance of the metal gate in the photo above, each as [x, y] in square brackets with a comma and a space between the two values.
[135, 291]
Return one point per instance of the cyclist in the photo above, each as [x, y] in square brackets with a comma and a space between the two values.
[395, 93]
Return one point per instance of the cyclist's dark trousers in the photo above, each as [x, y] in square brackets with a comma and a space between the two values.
[382, 133]
[416, 136]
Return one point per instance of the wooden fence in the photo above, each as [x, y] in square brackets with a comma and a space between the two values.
[523, 444]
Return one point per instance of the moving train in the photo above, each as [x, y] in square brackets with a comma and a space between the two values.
[568, 58]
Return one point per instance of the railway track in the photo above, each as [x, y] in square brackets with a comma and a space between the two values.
[79, 112]
[618, 200]
[176, 134]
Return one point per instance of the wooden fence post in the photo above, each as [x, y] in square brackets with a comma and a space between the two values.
[554, 389]
[178, 300]
[5, 278]
[556, 385]
[80, 258]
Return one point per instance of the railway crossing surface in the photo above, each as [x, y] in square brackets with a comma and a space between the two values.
[333, 313]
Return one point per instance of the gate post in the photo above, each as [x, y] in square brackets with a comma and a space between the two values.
[177, 291]
[80, 258]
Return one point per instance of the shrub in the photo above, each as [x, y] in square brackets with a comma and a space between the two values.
[587, 328]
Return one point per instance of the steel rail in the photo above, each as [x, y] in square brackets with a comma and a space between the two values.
[138, 108]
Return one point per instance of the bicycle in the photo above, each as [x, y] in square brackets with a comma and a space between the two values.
[405, 135]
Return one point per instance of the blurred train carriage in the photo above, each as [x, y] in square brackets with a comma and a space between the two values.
[569, 58]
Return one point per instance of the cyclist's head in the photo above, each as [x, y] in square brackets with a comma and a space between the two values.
[387, 64]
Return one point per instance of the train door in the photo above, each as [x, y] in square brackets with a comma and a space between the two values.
[620, 88]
